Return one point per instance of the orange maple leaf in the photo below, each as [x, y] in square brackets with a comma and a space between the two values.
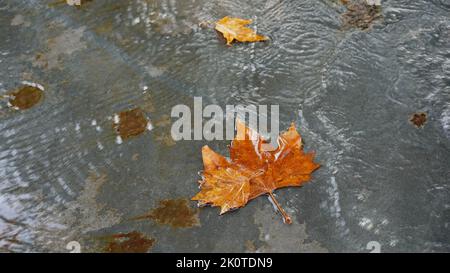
[235, 29]
[255, 168]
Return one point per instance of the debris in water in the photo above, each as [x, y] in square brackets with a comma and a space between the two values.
[173, 212]
[205, 24]
[360, 14]
[133, 242]
[130, 123]
[418, 119]
[26, 97]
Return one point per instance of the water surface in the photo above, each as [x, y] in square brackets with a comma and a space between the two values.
[64, 176]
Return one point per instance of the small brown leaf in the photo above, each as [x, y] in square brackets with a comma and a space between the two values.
[418, 119]
[26, 97]
[130, 123]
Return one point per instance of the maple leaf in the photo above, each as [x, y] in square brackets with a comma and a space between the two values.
[255, 168]
[235, 29]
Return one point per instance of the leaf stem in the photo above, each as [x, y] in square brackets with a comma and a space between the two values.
[286, 218]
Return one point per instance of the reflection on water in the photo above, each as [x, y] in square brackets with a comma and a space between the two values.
[350, 91]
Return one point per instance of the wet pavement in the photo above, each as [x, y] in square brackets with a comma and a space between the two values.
[369, 90]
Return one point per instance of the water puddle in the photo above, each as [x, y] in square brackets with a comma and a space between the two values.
[341, 70]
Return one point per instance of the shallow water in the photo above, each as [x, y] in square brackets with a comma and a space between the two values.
[65, 177]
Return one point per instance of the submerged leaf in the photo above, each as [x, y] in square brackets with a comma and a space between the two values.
[26, 97]
[173, 212]
[360, 14]
[418, 119]
[133, 242]
[130, 123]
